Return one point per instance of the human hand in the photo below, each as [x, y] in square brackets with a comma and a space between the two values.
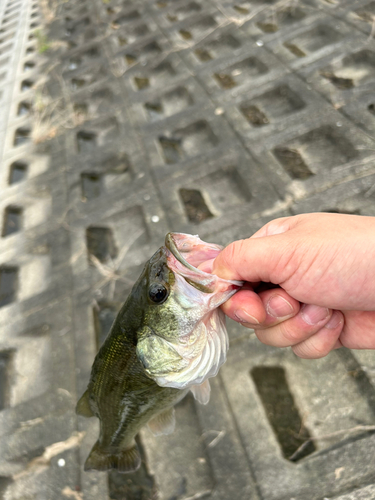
[324, 268]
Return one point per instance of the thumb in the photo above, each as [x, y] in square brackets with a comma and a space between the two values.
[263, 257]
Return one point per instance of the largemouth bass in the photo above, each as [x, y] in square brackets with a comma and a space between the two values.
[168, 338]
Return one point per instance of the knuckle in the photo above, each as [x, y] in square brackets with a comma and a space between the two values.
[262, 338]
[311, 350]
[291, 335]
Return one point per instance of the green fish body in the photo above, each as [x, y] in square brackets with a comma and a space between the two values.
[167, 339]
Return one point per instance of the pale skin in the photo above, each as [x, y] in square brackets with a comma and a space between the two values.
[322, 267]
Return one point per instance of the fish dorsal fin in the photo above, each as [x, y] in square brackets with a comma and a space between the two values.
[128, 460]
[83, 406]
[202, 392]
[201, 352]
[164, 423]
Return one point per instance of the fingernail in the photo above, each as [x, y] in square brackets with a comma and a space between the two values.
[278, 307]
[312, 315]
[244, 317]
[334, 322]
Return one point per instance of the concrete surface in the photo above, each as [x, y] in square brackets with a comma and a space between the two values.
[122, 120]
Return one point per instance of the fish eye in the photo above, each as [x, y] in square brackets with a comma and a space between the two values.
[157, 293]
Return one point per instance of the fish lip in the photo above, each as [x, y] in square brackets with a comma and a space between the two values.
[172, 247]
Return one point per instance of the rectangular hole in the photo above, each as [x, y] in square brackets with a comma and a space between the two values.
[172, 150]
[183, 12]
[277, 103]
[354, 69]
[151, 49]
[28, 66]
[282, 412]
[86, 141]
[154, 110]
[101, 243]
[141, 83]
[23, 109]
[293, 163]
[132, 34]
[339, 82]
[186, 35]
[196, 208]
[219, 47]
[130, 59]
[80, 110]
[268, 27]
[224, 189]
[21, 136]
[91, 186]
[294, 49]
[241, 72]
[197, 138]
[117, 164]
[254, 115]
[324, 147]
[284, 17]
[199, 29]
[225, 80]
[77, 83]
[18, 171]
[289, 15]
[316, 39]
[12, 220]
[4, 382]
[163, 72]
[26, 85]
[8, 285]
[203, 55]
[189, 141]
[127, 18]
[241, 10]
[169, 104]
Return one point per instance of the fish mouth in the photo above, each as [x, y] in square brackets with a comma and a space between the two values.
[190, 250]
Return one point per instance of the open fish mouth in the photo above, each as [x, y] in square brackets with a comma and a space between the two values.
[187, 252]
[190, 250]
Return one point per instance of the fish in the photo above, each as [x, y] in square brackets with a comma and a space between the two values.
[168, 338]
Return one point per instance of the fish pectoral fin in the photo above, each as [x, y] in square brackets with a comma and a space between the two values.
[128, 460]
[202, 392]
[164, 423]
[83, 406]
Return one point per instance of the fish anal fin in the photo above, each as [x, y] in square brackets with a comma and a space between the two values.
[83, 406]
[125, 461]
[164, 423]
[202, 392]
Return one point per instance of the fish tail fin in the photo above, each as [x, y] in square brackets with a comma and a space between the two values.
[124, 461]
[83, 406]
